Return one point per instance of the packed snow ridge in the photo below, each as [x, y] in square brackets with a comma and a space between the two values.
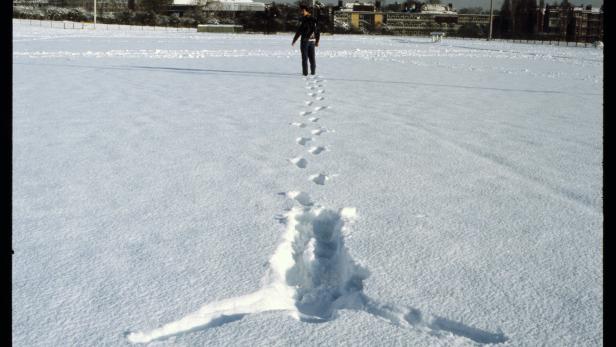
[310, 273]
[311, 276]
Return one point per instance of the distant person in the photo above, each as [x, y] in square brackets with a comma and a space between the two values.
[309, 32]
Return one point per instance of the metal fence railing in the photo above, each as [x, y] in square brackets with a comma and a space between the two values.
[549, 42]
[105, 26]
[99, 26]
[530, 41]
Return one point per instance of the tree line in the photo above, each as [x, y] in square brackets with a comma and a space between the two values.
[277, 17]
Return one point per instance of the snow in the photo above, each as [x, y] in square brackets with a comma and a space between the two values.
[194, 189]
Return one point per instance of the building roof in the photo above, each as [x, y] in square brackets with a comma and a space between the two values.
[185, 2]
[436, 9]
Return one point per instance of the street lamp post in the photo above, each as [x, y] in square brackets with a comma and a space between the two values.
[490, 34]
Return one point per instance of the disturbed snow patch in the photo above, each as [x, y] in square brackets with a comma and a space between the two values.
[303, 140]
[299, 162]
[319, 178]
[311, 276]
[309, 273]
[322, 271]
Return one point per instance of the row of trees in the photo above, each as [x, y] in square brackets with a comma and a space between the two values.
[276, 17]
[128, 17]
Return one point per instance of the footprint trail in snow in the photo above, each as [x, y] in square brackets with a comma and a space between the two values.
[311, 275]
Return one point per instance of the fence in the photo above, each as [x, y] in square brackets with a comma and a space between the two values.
[532, 42]
[104, 26]
[549, 42]
[99, 26]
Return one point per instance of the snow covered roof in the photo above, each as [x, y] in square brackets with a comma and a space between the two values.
[436, 9]
[204, 2]
[185, 2]
[351, 4]
[584, 9]
[224, 5]
[235, 5]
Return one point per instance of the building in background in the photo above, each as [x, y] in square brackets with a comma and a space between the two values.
[234, 6]
[182, 6]
[523, 19]
[581, 24]
[206, 6]
[411, 20]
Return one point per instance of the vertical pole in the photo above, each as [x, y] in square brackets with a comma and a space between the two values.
[490, 34]
[94, 14]
[313, 14]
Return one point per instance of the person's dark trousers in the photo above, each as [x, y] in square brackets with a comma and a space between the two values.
[307, 48]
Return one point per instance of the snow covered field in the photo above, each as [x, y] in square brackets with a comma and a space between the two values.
[450, 192]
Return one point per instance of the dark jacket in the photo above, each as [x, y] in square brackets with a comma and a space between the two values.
[308, 26]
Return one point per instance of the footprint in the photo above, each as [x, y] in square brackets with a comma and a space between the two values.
[301, 197]
[313, 119]
[308, 103]
[317, 150]
[303, 140]
[312, 94]
[304, 113]
[299, 162]
[319, 98]
[320, 91]
[319, 178]
[319, 108]
[298, 124]
[318, 131]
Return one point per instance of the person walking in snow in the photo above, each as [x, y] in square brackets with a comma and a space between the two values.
[309, 32]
